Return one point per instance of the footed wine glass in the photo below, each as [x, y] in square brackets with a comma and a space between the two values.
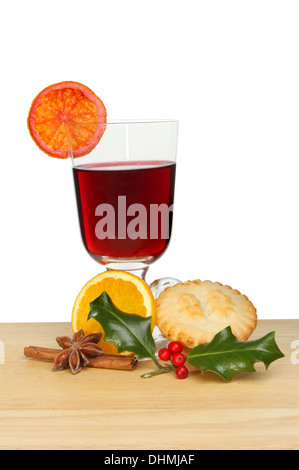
[125, 194]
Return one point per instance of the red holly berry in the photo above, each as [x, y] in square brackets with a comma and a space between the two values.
[182, 372]
[178, 359]
[175, 347]
[164, 354]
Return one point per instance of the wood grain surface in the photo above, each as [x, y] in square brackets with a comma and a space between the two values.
[114, 410]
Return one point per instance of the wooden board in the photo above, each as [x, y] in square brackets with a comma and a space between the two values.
[104, 409]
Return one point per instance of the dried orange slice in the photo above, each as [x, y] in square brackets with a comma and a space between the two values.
[128, 292]
[59, 114]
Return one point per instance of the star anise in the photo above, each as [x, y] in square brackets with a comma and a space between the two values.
[76, 351]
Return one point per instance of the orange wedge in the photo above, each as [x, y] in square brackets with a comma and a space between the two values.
[128, 292]
[58, 117]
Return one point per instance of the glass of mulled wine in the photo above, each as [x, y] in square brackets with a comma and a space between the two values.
[125, 194]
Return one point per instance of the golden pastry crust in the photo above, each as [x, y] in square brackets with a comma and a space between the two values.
[193, 312]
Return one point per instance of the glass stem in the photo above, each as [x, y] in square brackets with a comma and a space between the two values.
[138, 272]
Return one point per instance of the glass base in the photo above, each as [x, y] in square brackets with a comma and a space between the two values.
[159, 338]
[157, 287]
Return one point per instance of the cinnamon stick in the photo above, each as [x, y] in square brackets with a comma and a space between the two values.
[41, 353]
[105, 361]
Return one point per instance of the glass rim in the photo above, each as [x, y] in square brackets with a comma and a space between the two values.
[126, 121]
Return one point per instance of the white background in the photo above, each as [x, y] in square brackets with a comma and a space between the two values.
[229, 71]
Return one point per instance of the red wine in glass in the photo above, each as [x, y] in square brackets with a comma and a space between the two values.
[125, 209]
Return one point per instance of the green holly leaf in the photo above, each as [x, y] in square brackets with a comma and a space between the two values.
[128, 332]
[225, 354]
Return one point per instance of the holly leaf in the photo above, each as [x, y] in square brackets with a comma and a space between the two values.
[128, 332]
[225, 354]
